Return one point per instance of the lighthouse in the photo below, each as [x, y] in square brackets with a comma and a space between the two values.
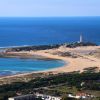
[81, 38]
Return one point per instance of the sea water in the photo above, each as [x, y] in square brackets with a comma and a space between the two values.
[40, 31]
[11, 66]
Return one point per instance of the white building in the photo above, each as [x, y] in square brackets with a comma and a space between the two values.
[81, 96]
[47, 97]
[81, 38]
[24, 97]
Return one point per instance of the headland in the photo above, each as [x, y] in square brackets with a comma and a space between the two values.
[79, 57]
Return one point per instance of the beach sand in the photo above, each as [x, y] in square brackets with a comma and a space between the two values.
[79, 63]
[82, 59]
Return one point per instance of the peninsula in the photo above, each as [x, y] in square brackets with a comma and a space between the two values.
[77, 56]
[82, 61]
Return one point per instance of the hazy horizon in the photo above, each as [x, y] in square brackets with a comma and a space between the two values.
[44, 16]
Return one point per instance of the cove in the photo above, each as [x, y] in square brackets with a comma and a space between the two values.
[12, 66]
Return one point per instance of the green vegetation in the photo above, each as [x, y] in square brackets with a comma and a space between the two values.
[44, 47]
[55, 85]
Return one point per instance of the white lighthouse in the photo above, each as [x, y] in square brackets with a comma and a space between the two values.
[81, 38]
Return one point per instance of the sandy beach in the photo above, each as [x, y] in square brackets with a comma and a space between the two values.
[79, 63]
[82, 60]
[76, 60]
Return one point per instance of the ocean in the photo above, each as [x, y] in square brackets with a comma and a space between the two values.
[12, 66]
[40, 31]
[43, 31]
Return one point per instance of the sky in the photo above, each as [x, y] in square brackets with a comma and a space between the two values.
[49, 8]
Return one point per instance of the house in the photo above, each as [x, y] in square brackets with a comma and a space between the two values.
[81, 95]
[23, 97]
[47, 97]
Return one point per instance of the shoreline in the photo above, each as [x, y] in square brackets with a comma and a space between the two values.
[51, 70]
[72, 64]
[38, 71]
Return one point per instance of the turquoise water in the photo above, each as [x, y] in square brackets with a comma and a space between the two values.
[10, 66]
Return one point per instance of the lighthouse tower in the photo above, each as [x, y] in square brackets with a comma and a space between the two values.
[81, 38]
